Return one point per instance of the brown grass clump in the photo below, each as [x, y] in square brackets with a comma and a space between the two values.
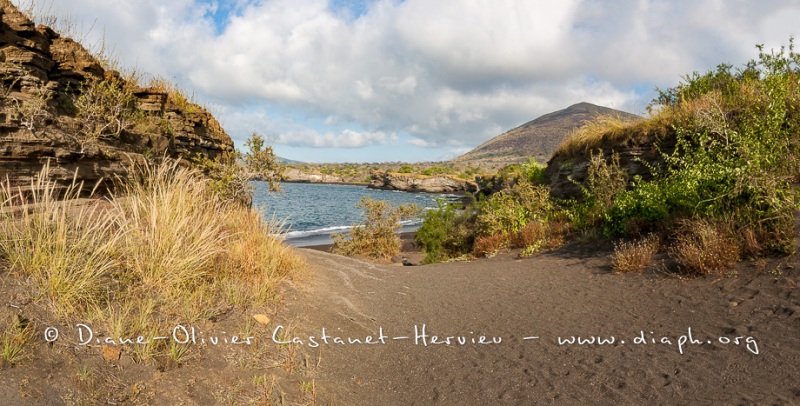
[533, 233]
[705, 248]
[601, 130]
[634, 256]
[489, 246]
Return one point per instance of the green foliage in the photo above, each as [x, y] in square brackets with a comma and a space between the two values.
[446, 233]
[736, 154]
[532, 171]
[507, 212]
[105, 107]
[376, 236]
[605, 181]
[230, 176]
[438, 170]
[406, 169]
[637, 209]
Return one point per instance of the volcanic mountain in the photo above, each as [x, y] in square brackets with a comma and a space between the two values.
[540, 137]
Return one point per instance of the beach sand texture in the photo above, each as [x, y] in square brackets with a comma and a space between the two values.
[554, 296]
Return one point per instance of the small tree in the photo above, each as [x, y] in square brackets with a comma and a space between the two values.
[231, 176]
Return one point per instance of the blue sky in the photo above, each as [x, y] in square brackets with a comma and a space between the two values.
[418, 80]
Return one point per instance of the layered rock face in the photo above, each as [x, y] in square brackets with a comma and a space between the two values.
[419, 183]
[566, 173]
[44, 119]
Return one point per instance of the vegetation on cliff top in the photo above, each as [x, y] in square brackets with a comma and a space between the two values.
[727, 189]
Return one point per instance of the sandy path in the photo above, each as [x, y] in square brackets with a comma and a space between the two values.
[549, 296]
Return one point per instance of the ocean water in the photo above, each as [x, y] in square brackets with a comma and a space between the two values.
[312, 212]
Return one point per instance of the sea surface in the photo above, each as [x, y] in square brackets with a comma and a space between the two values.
[312, 212]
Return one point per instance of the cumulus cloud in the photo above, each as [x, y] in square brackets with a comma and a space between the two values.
[436, 72]
[344, 139]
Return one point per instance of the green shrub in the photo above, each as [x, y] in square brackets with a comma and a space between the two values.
[507, 212]
[532, 171]
[376, 236]
[446, 233]
[406, 169]
[605, 181]
[635, 211]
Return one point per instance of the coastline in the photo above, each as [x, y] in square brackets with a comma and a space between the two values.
[408, 250]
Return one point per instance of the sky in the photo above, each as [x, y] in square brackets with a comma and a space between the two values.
[418, 80]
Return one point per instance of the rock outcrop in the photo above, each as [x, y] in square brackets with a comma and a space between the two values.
[421, 183]
[42, 77]
[638, 153]
[297, 176]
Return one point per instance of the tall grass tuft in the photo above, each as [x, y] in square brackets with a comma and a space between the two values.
[164, 250]
[65, 247]
[170, 227]
[256, 258]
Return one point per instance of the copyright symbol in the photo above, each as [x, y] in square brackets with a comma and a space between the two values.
[50, 334]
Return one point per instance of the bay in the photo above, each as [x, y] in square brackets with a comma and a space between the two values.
[312, 212]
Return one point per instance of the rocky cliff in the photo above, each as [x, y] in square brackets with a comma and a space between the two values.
[421, 183]
[59, 105]
[639, 152]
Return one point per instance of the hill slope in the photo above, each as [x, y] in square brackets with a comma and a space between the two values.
[540, 137]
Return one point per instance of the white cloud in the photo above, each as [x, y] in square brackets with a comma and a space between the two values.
[444, 72]
[417, 142]
[344, 139]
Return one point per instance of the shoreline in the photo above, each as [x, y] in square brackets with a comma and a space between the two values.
[462, 194]
[408, 250]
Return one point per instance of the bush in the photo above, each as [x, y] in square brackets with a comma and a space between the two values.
[406, 169]
[634, 256]
[376, 236]
[637, 210]
[446, 233]
[507, 212]
[703, 247]
[106, 107]
[489, 246]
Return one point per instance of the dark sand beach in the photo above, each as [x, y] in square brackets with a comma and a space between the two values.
[675, 341]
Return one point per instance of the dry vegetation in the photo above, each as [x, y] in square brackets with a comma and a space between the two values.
[376, 236]
[634, 256]
[164, 251]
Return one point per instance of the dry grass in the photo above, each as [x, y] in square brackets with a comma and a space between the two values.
[705, 248]
[634, 256]
[171, 229]
[166, 251]
[66, 251]
[489, 246]
[15, 336]
[610, 130]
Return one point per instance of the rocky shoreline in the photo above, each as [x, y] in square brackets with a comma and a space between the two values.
[413, 183]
